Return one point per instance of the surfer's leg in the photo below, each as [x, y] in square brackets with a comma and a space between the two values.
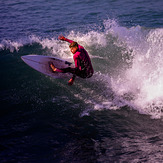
[68, 69]
[63, 70]
[54, 69]
[84, 73]
[81, 74]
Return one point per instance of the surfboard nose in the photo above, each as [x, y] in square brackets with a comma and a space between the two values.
[28, 57]
[23, 57]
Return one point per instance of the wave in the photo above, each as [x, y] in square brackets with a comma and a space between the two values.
[127, 61]
[143, 80]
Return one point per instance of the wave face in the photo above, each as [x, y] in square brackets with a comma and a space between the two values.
[127, 62]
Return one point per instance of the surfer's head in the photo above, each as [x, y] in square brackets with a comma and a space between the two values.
[74, 47]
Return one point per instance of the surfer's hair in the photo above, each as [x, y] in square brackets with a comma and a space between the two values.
[73, 44]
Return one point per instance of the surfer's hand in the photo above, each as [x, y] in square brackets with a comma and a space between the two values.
[71, 81]
[61, 38]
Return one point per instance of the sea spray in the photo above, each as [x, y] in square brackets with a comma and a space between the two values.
[143, 80]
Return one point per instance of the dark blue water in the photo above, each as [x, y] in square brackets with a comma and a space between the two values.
[115, 116]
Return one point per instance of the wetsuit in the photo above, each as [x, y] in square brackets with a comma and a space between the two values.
[83, 66]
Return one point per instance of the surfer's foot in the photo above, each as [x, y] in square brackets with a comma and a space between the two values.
[54, 69]
[71, 81]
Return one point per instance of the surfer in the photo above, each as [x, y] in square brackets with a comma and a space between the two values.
[83, 66]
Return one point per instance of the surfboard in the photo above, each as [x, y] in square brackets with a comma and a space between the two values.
[41, 64]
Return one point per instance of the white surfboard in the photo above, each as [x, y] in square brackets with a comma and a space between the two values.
[41, 64]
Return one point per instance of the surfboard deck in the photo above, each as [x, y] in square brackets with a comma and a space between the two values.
[41, 64]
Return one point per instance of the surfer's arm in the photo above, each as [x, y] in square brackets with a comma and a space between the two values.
[65, 39]
[70, 41]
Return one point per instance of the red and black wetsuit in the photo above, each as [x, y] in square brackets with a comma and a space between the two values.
[83, 66]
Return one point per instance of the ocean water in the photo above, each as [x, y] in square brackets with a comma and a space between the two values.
[115, 116]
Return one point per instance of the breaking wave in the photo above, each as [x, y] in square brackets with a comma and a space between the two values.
[128, 64]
